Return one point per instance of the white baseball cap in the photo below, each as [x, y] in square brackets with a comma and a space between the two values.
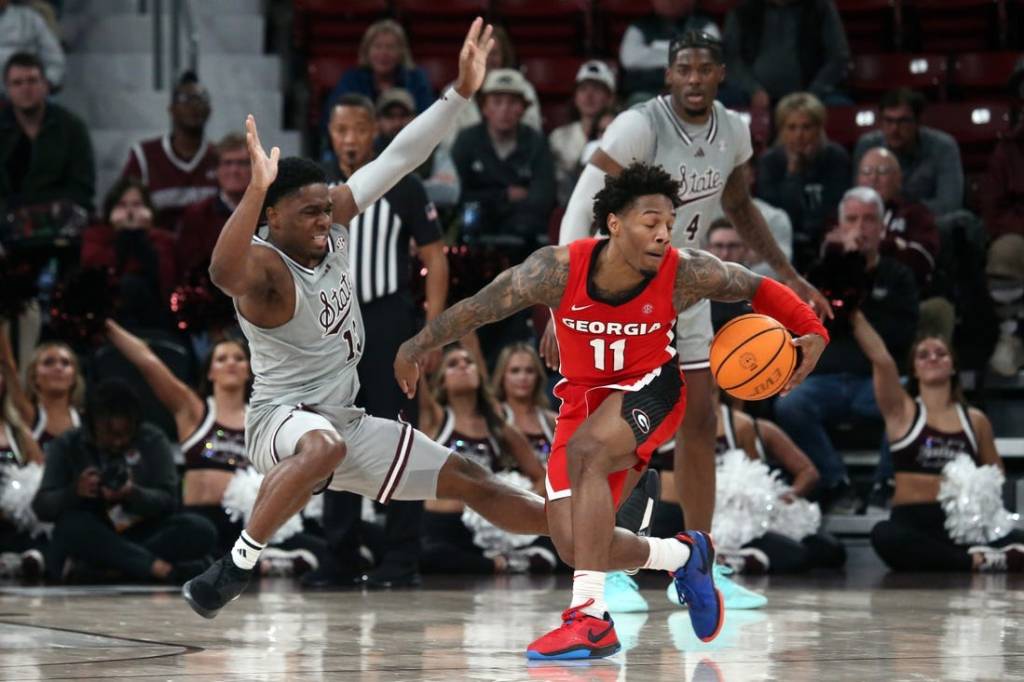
[505, 80]
[597, 71]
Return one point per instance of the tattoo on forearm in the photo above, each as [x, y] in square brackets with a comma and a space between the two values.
[751, 225]
[540, 279]
[701, 275]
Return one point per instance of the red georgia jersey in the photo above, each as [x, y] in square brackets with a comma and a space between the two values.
[617, 346]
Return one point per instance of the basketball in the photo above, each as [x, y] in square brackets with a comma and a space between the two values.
[752, 357]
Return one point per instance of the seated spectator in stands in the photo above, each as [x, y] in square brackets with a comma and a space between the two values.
[805, 173]
[929, 425]
[725, 242]
[201, 222]
[911, 236]
[45, 150]
[929, 158]
[385, 62]
[1002, 192]
[520, 386]
[506, 171]
[594, 95]
[458, 411]
[111, 491]
[395, 109]
[840, 386]
[24, 30]
[142, 258]
[776, 47]
[1005, 271]
[49, 403]
[778, 223]
[180, 167]
[503, 56]
[643, 51]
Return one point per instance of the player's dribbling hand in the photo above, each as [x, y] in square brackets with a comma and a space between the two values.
[473, 58]
[407, 371]
[811, 347]
[805, 290]
[264, 168]
[549, 348]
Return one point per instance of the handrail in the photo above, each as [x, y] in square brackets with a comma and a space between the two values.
[181, 13]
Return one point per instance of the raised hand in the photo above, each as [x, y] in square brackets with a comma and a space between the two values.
[264, 168]
[473, 58]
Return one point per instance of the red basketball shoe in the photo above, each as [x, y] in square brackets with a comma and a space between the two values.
[580, 636]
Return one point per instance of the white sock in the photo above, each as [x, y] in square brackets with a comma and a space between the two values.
[246, 551]
[667, 554]
[587, 585]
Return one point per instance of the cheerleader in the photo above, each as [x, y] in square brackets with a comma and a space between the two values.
[519, 384]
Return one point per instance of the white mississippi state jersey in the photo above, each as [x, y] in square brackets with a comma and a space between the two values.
[312, 358]
[701, 157]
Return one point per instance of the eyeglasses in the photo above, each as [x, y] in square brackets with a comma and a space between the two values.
[876, 170]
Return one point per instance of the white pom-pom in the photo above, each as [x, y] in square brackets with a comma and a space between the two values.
[748, 504]
[489, 537]
[240, 496]
[972, 497]
[18, 485]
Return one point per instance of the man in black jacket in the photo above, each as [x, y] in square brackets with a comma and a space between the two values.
[111, 490]
[841, 384]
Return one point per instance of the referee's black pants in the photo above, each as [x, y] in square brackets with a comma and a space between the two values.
[388, 322]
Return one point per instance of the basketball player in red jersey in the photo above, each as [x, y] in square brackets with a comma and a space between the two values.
[614, 304]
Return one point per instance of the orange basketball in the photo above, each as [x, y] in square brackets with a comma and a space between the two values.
[752, 357]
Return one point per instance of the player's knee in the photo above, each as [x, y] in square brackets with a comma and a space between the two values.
[583, 452]
[461, 479]
[322, 454]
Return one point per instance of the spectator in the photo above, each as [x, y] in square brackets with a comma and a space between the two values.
[929, 158]
[1005, 271]
[776, 47]
[1002, 195]
[45, 151]
[141, 258]
[594, 95]
[458, 411]
[54, 388]
[395, 109]
[201, 222]
[929, 425]
[778, 224]
[111, 491]
[911, 236]
[24, 30]
[503, 56]
[385, 61]
[725, 242]
[379, 240]
[805, 173]
[179, 168]
[643, 51]
[520, 386]
[840, 386]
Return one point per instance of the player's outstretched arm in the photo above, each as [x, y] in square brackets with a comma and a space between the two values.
[417, 141]
[702, 275]
[539, 280]
[234, 265]
[751, 226]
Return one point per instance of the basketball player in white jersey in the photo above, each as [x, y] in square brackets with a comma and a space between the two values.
[704, 146]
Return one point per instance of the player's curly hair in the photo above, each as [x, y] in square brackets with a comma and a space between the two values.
[293, 173]
[636, 180]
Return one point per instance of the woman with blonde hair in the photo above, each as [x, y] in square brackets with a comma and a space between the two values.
[520, 386]
[805, 173]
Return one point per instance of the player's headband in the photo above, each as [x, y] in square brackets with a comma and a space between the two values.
[695, 40]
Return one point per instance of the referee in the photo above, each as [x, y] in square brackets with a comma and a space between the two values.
[379, 251]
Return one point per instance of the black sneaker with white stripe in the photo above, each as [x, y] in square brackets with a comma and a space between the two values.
[637, 512]
[218, 585]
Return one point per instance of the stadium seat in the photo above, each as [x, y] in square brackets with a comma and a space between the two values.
[955, 26]
[976, 126]
[983, 74]
[441, 70]
[322, 74]
[875, 73]
[845, 125]
[553, 77]
[438, 28]
[872, 25]
[717, 9]
[541, 28]
[337, 27]
[555, 114]
[615, 16]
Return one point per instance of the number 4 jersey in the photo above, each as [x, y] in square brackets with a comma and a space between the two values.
[616, 346]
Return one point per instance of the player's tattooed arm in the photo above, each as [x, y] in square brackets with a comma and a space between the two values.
[750, 224]
[702, 275]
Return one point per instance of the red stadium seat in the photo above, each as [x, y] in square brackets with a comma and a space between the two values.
[541, 28]
[615, 16]
[322, 74]
[553, 77]
[976, 126]
[438, 27]
[717, 9]
[845, 125]
[875, 73]
[956, 25]
[872, 25]
[441, 70]
[983, 74]
[338, 26]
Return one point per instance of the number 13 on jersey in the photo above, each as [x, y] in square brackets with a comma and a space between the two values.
[618, 353]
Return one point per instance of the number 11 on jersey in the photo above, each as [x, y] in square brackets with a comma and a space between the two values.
[618, 349]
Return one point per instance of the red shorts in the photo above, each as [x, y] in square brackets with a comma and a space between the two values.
[653, 412]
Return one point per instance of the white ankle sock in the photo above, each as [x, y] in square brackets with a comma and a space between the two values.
[667, 554]
[589, 585]
[246, 551]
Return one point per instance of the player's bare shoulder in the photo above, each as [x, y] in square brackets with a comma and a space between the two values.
[542, 277]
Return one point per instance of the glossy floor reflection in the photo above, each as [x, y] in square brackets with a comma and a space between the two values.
[865, 626]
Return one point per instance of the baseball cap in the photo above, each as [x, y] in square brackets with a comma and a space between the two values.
[393, 96]
[505, 80]
[597, 71]
[1006, 257]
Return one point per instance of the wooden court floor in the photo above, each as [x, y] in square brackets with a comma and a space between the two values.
[858, 626]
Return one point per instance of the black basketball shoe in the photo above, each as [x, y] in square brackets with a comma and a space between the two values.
[637, 512]
[221, 583]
